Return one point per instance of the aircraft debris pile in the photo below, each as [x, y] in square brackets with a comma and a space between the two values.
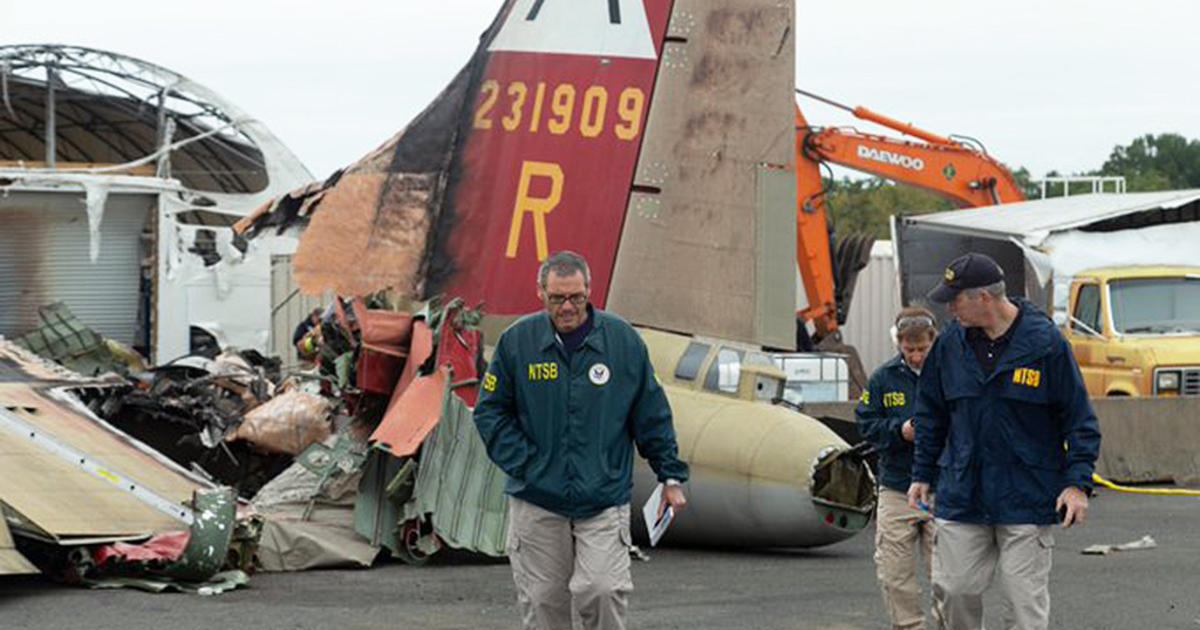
[86, 503]
[373, 449]
[186, 410]
[404, 468]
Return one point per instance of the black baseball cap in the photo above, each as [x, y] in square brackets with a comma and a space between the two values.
[966, 272]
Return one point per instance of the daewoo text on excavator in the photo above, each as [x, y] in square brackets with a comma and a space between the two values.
[955, 167]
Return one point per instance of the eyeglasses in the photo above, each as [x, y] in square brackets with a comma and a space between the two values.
[578, 299]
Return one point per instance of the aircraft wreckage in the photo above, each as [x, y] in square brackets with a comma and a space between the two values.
[655, 139]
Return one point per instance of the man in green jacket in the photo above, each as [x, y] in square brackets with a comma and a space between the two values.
[567, 395]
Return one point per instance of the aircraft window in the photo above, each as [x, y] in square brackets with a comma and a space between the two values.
[689, 364]
[725, 371]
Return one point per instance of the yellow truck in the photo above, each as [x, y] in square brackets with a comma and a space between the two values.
[1135, 331]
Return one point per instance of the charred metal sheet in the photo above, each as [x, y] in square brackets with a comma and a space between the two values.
[370, 235]
[369, 226]
[188, 409]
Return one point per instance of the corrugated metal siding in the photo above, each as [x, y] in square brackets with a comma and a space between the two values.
[288, 307]
[44, 258]
[873, 309]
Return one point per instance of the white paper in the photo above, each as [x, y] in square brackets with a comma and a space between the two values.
[655, 526]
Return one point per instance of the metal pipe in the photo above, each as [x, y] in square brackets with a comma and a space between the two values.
[51, 130]
[866, 114]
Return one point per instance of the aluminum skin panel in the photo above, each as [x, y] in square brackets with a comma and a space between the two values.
[723, 107]
[67, 501]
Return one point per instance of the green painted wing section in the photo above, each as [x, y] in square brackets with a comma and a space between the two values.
[460, 486]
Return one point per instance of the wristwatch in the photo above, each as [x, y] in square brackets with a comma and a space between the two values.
[673, 482]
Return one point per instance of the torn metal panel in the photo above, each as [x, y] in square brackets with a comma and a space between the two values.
[211, 534]
[69, 499]
[308, 517]
[185, 556]
[386, 484]
[414, 414]
[369, 226]
[460, 486]
[188, 409]
[11, 560]
[71, 475]
[374, 239]
[64, 339]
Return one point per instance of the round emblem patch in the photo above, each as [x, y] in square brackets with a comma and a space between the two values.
[599, 374]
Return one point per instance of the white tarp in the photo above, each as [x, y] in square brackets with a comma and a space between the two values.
[1074, 251]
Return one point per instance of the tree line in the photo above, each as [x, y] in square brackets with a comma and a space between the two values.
[1166, 161]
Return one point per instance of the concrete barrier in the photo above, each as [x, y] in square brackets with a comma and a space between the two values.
[1144, 439]
[1149, 439]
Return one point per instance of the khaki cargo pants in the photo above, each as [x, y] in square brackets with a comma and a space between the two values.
[965, 558]
[558, 561]
[899, 531]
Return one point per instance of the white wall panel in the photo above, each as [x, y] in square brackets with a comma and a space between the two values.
[44, 258]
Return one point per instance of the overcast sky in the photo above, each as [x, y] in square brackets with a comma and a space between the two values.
[1046, 84]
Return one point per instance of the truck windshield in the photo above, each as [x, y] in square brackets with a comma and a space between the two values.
[1156, 305]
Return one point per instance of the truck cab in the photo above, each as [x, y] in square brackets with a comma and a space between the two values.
[1135, 331]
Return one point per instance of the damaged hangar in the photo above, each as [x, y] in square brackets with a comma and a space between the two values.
[117, 181]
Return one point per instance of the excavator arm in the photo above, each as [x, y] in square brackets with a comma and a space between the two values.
[965, 175]
[813, 240]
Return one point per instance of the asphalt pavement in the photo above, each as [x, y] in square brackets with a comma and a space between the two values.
[828, 588]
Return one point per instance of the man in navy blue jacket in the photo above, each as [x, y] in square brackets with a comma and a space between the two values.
[1005, 427]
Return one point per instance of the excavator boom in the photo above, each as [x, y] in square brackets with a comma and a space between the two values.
[967, 176]
[955, 171]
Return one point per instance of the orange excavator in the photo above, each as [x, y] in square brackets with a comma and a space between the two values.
[955, 167]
